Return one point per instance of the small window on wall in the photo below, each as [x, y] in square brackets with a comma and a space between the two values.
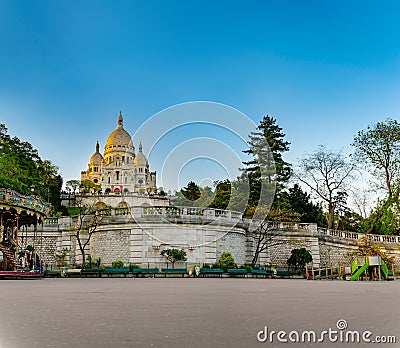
[95, 181]
[117, 174]
[140, 170]
[96, 169]
[123, 158]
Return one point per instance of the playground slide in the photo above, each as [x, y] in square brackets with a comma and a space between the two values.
[384, 269]
[359, 271]
[354, 266]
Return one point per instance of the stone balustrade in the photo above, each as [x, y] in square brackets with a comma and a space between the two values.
[199, 213]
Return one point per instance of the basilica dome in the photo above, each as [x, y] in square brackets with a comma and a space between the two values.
[140, 159]
[96, 157]
[119, 138]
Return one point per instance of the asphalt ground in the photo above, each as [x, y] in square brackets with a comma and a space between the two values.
[174, 312]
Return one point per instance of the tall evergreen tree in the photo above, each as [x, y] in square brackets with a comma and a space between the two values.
[266, 172]
[267, 145]
[191, 191]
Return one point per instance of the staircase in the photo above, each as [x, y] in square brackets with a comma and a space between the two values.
[8, 255]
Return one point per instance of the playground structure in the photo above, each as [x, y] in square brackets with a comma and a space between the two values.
[362, 268]
[370, 267]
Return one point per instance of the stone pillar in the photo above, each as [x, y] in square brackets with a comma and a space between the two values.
[314, 242]
[136, 245]
[211, 247]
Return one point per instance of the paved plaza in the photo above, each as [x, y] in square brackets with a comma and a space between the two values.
[157, 312]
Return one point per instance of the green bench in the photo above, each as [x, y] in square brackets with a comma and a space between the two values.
[92, 272]
[143, 271]
[211, 271]
[174, 271]
[284, 273]
[72, 272]
[109, 271]
[239, 272]
[50, 273]
[259, 272]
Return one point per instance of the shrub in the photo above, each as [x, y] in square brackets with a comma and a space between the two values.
[299, 258]
[173, 255]
[226, 261]
[117, 264]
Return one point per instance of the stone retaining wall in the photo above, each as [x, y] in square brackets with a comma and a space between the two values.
[141, 241]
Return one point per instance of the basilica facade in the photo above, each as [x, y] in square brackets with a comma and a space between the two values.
[120, 169]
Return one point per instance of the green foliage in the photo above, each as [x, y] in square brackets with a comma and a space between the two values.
[73, 185]
[222, 195]
[88, 186]
[226, 261]
[22, 169]
[266, 145]
[191, 191]
[117, 264]
[264, 173]
[173, 255]
[299, 258]
[60, 257]
[378, 149]
[385, 218]
[300, 202]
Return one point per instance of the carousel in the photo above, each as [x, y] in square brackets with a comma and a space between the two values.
[20, 257]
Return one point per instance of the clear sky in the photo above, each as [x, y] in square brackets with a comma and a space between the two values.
[323, 69]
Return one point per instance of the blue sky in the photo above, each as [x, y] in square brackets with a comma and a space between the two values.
[323, 69]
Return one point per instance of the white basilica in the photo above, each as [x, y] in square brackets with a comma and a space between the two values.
[119, 169]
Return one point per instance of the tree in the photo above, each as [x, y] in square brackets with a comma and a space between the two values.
[22, 169]
[367, 248]
[300, 201]
[385, 218]
[226, 261]
[60, 257]
[173, 255]
[73, 185]
[86, 225]
[267, 146]
[299, 258]
[267, 235]
[89, 186]
[378, 148]
[191, 191]
[266, 171]
[327, 174]
[222, 195]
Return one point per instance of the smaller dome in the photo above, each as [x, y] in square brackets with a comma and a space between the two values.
[96, 157]
[140, 159]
